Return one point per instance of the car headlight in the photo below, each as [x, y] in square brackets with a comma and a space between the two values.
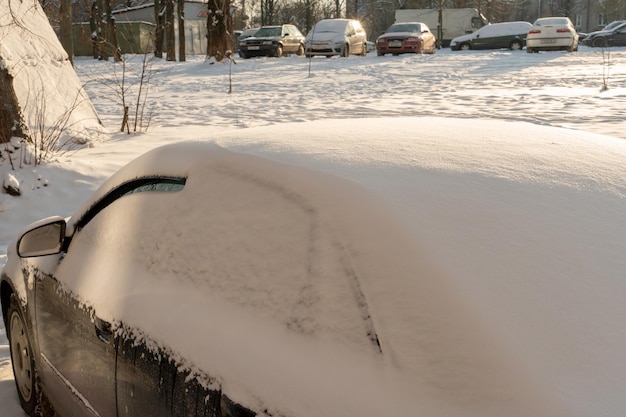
[267, 42]
[412, 39]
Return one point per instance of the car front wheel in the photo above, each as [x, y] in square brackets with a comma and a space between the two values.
[346, 51]
[300, 51]
[279, 51]
[599, 42]
[515, 46]
[22, 357]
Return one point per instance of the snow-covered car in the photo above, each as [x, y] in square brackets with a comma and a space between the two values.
[406, 37]
[350, 267]
[552, 34]
[615, 36]
[511, 35]
[273, 41]
[342, 37]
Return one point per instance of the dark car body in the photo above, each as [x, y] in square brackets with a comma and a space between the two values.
[510, 35]
[406, 37]
[273, 41]
[612, 37]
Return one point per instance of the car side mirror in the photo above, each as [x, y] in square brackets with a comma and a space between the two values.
[42, 238]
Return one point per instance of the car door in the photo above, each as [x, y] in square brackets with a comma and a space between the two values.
[78, 348]
[619, 37]
[77, 351]
[288, 40]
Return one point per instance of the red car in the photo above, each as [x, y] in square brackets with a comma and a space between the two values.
[405, 38]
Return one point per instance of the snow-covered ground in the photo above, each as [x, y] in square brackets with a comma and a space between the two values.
[548, 97]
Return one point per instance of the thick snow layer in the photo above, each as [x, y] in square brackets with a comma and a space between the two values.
[50, 94]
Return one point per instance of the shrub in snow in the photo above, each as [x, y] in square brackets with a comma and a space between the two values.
[11, 185]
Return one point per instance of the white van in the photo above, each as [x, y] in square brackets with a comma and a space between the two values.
[511, 35]
[341, 37]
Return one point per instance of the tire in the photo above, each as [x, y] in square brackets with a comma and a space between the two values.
[346, 51]
[364, 51]
[465, 47]
[515, 46]
[243, 55]
[599, 43]
[530, 50]
[380, 54]
[300, 50]
[279, 51]
[22, 357]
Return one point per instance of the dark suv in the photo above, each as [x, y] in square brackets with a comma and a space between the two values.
[273, 41]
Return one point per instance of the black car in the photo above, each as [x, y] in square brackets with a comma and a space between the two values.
[603, 38]
[273, 41]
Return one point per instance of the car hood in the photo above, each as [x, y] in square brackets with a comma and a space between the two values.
[399, 35]
[264, 38]
[462, 38]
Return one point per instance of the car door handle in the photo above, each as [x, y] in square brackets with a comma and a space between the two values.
[103, 329]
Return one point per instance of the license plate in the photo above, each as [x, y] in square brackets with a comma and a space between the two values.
[395, 44]
[253, 48]
[548, 41]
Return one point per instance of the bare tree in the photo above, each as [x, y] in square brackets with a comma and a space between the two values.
[111, 32]
[170, 35]
[219, 29]
[181, 31]
[65, 29]
[159, 19]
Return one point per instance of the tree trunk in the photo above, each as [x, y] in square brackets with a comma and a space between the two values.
[219, 29]
[170, 36]
[159, 19]
[182, 56]
[111, 31]
[102, 31]
[65, 22]
[95, 30]
[11, 118]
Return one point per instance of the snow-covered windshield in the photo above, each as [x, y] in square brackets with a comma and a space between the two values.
[267, 32]
[551, 21]
[405, 27]
[337, 26]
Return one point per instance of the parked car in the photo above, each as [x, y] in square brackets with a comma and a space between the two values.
[616, 36]
[511, 35]
[342, 37]
[273, 41]
[240, 35]
[552, 34]
[406, 37]
[354, 271]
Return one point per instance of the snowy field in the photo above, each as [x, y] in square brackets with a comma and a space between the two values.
[555, 89]
[556, 94]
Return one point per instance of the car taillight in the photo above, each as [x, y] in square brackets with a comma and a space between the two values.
[562, 30]
[534, 31]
